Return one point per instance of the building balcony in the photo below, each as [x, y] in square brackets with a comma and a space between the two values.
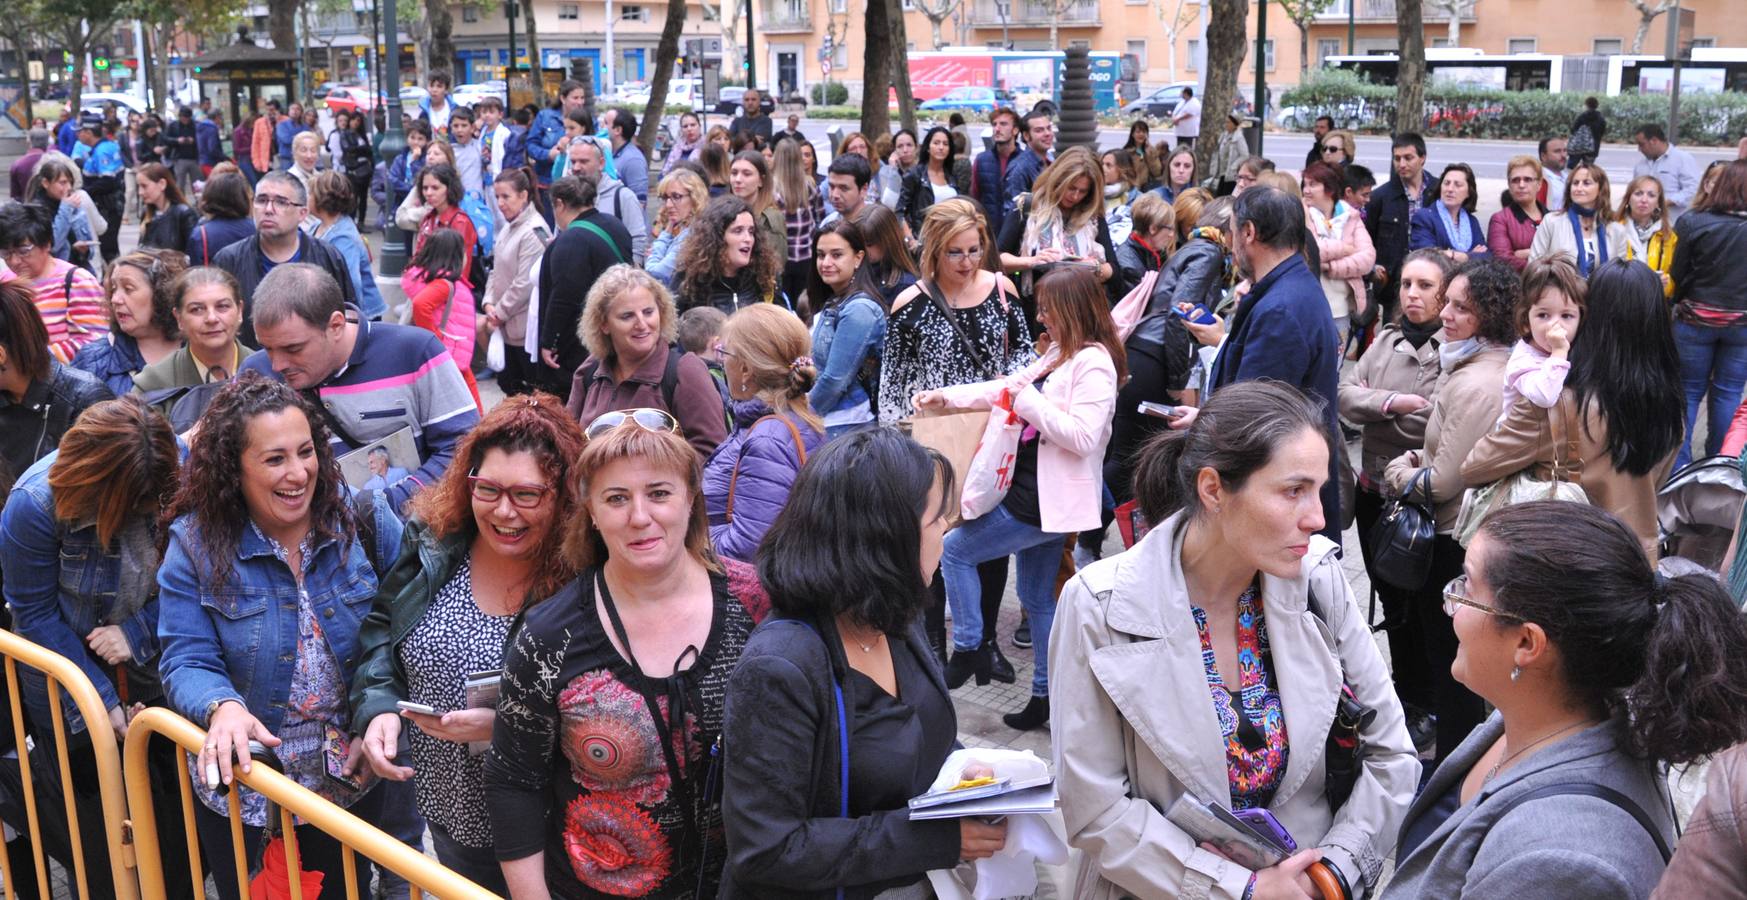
[1379, 11]
[1035, 13]
[785, 16]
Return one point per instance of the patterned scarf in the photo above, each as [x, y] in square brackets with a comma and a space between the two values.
[1577, 214]
[1208, 232]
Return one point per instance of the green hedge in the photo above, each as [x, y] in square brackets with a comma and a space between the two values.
[831, 93]
[1705, 119]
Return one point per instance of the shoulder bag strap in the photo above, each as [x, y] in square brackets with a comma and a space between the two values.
[1600, 792]
[971, 349]
[602, 234]
[842, 728]
[448, 304]
[734, 477]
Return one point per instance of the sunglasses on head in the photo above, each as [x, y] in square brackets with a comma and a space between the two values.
[657, 420]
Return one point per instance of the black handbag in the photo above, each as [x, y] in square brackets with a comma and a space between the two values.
[1401, 540]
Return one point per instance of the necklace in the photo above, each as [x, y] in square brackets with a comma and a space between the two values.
[866, 647]
[1493, 772]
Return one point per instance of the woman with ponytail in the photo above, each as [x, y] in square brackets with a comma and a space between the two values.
[1207, 659]
[511, 285]
[746, 481]
[1584, 230]
[1602, 672]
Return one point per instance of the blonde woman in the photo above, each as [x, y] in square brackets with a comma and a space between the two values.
[766, 355]
[1060, 222]
[1339, 149]
[1649, 234]
[683, 195]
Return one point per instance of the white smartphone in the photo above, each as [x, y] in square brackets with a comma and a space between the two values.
[421, 708]
[1160, 410]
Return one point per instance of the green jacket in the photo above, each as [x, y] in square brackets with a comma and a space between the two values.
[424, 565]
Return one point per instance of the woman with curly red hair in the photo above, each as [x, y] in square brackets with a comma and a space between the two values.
[480, 546]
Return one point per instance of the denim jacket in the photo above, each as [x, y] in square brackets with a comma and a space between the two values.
[238, 641]
[844, 336]
[61, 584]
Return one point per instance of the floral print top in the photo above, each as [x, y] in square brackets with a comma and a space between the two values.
[1255, 741]
[577, 767]
[923, 351]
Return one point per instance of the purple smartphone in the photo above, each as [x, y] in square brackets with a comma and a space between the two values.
[1263, 823]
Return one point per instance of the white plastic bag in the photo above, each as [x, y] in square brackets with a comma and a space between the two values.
[494, 351]
[1030, 838]
[990, 473]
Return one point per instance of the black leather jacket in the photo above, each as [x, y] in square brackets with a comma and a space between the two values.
[1710, 260]
[1193, 274]
[29, 430]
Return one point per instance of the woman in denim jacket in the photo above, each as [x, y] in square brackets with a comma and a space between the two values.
[259, 613]
[849, 330]
[78, 541]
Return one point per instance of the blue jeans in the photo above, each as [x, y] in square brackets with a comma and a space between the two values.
[994, 536]
[1712, 360]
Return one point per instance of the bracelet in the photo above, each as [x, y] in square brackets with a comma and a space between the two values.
[1388, 400]
[1250, 889]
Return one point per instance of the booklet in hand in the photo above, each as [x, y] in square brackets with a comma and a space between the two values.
[1012, 783]
[1210, 823]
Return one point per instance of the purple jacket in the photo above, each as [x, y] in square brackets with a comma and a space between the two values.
[768, 460]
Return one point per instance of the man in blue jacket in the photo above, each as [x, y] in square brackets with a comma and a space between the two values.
[1389, 215]
[989, 169]
[209, 142]
[1039, 134]
[1282, 330]
[286, 131]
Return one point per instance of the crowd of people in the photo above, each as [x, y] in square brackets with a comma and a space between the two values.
[681, 615]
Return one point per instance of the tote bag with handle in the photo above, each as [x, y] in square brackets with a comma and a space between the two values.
[990, 472]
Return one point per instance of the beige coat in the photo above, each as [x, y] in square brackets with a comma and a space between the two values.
[1466, 407]
[1526, 440]
[1390, 366]
[512, 279]
[1134, 726]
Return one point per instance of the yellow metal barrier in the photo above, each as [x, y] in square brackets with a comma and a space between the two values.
[422, 873]
[63, 675]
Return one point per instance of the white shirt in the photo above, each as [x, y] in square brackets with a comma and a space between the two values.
[1188, 117]
[1555, 190]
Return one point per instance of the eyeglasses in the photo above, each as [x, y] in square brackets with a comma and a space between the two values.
[657, 420]
[675, 198]
[522, 496]
[269, 201]
[720, 351]
[18, 252]
[958, 256]
[1333, 148]
[1456, 594]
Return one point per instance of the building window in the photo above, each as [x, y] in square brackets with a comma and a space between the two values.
[1137, 49]
[1082, 44]
[1325, 48]
[1521, 45]
[470, 13]
[840, 6]
[840, 56]
[1267, 54]
[570, 11]
[1194, 63]
[1607, 46]
[1440, 43]
[1706, 43]
[636, 14]
[909, 5]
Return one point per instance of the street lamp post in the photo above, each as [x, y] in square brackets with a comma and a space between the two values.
[509, 9]
[1261, 72]
[394, 240]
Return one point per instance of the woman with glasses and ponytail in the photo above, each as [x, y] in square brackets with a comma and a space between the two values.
[1603, 672]
[603, 773]
[480, 546]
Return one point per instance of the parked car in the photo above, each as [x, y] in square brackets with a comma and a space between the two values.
[971, 99]
[322, 90]
[728, 101]
[354, 99]
[469, 94]
[91, 103]
[1161, 103]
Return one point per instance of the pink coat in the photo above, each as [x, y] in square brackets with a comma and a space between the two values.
[1349, 257]
[1072, 415]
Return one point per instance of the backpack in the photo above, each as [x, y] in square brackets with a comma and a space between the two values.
[1581, 142]
[670, 382]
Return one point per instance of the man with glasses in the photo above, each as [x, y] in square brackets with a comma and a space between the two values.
[280, 204]
[370, 379]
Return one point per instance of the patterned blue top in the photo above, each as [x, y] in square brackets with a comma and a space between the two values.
[1255, 766]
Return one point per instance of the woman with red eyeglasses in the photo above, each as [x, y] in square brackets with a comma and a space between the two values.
[480, 545]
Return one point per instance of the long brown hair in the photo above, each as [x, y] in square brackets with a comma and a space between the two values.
[766, 196]
[881, 228]
[211, 490]
[1046, 192]
[1079, 316]
[536, 424]
[157, 171]
[118, 462]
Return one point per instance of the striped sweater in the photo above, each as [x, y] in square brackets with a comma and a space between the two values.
[396, 377]
[72, 309]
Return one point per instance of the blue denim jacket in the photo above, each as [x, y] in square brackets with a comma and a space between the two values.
[60, 584]
[238, 641]
[844, 334]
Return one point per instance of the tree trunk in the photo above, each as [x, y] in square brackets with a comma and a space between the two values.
[1454, 29]
[1226, 27]
[282, 23]
[532, 43]
[1303, 48]
[901, 64]
[442, 53]
[877, 74]
[935, 24]
[666, 54]
[1646, 15]
[1410, 91]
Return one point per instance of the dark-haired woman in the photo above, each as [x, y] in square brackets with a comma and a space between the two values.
[517, 250]
[55, 187]
[1602, 672]
[747, 478]
[479, 546]
[142, 326]
[263, 585]
[1205, 661]
[1479, 316]
[166, 221]
[1710, 266]
[225, 203]
[1065, 400]
[1615, 406]
[598, 777]
[932, 180]
[68, 298]
[730, 260]
[39, 397]
[849, 328]
[441, 298]
[844, 644]
[357, 161]
[890, 262]
[209, 315]
[1449, 224]
[331, 206]
[440, 189]
[1389, 396]
[78, 542]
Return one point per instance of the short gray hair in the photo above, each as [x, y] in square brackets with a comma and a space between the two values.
[39, 138]
[302, 290]
[298, 191]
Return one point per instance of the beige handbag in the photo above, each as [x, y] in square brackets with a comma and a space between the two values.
[1524, 487]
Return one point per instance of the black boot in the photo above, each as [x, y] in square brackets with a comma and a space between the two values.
[964, 664]
[999, 668]
[1034, 715]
